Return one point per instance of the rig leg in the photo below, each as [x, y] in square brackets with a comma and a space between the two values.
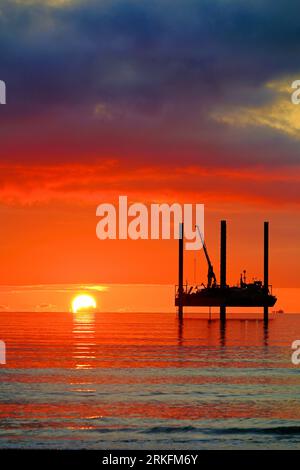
[266, 267]
[223, 334]
[223, 267]
[222, 313]
[266, 314]
[180, 272]
[180, 312]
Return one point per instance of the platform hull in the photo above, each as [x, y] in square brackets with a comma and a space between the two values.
[229, 297]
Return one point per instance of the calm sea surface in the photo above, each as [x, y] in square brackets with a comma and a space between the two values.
[145, 381]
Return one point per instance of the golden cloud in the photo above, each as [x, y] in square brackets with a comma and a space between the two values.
[52, 3]
[280, 114]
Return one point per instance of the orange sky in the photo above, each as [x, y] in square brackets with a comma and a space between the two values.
[106, 100]
[52, 240]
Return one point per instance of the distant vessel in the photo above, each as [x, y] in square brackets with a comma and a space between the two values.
[254, 294]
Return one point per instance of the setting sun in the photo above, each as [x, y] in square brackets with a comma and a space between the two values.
[83, 302]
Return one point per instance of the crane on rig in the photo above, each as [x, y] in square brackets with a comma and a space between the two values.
[211, 277]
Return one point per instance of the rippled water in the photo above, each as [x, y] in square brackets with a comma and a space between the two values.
[146, 381]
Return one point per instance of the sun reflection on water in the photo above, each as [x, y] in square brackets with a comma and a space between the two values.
[84, 340]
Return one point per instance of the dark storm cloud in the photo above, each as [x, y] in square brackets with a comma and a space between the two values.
[141, 56]
[144, 50]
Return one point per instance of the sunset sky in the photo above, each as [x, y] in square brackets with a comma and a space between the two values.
[162, 101]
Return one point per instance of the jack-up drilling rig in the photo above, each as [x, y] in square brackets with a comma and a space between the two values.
[255, 294]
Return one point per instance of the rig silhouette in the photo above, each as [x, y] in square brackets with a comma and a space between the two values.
[255, 294]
